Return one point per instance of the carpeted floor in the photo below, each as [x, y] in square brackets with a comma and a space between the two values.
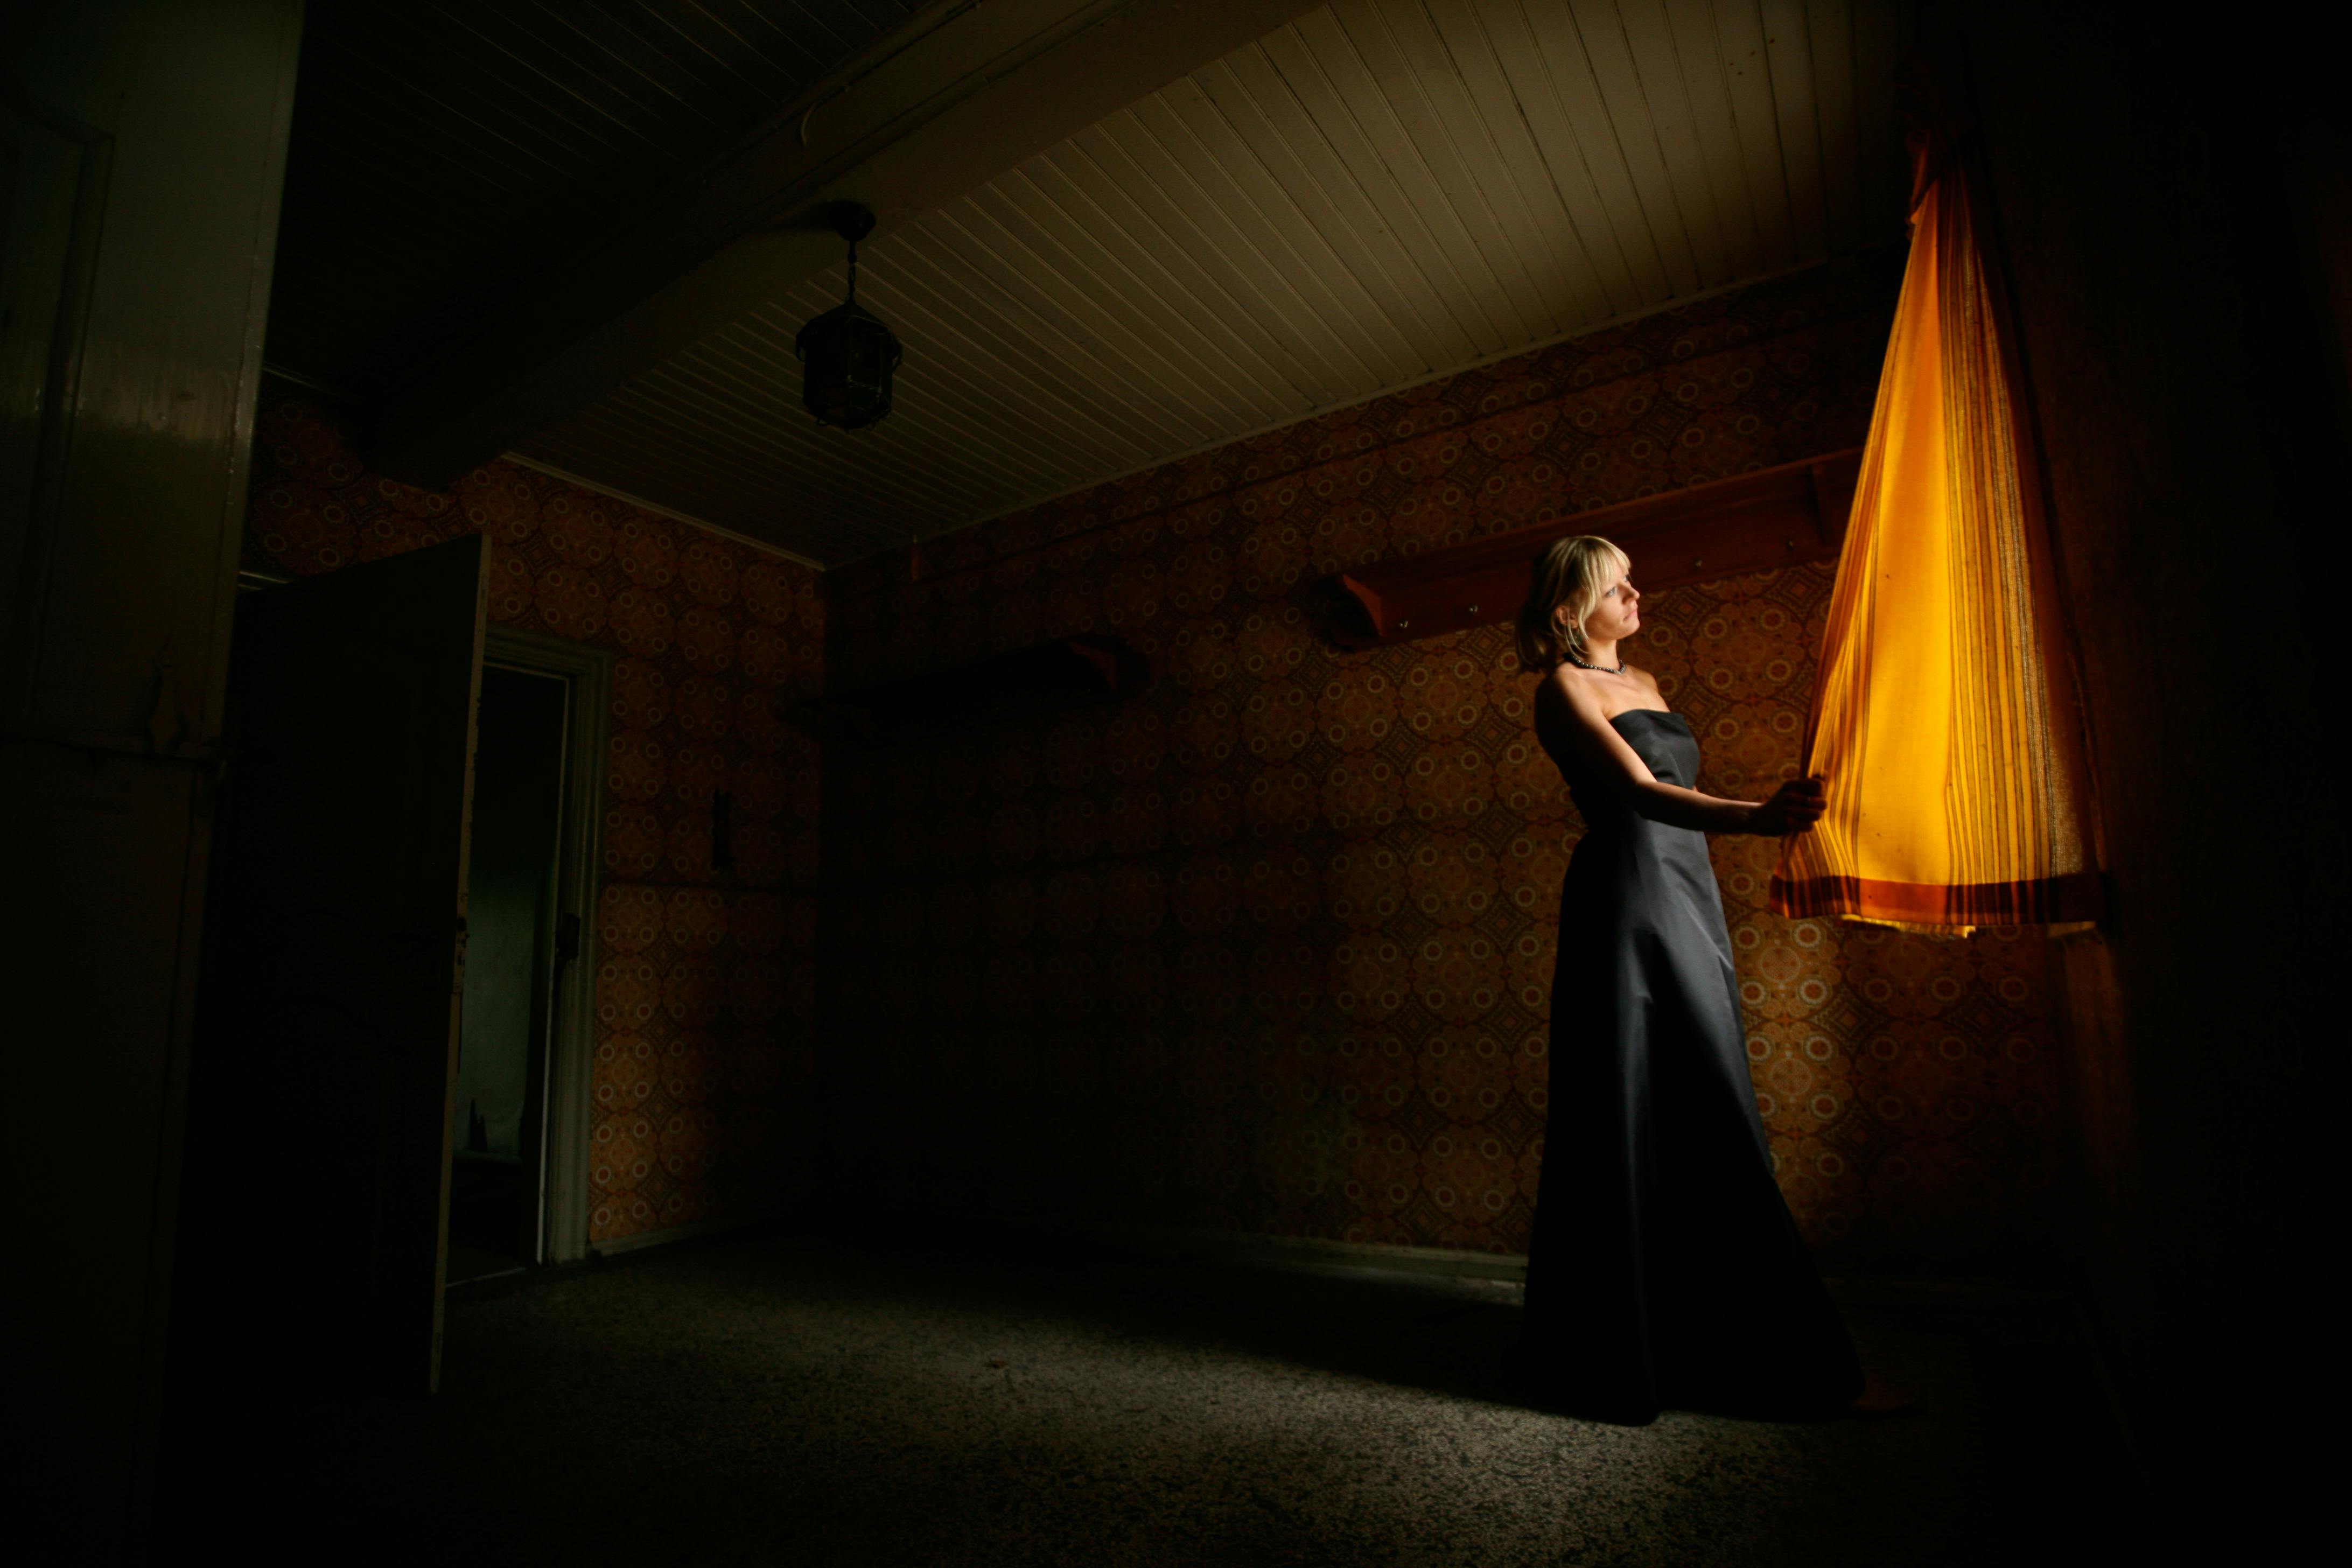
[774, 1402]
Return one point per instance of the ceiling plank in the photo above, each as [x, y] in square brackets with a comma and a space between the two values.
[1356, 66]
[1239, 238]
[935, 109]
[1829, 40]
[1552, 81]
[956, 322]
[1158, 283]
[1790, 72]
[1634, 120]
[1104, 170]
[1683, 130]
[1249, 90]
[1427, 100]
[1309, 259]
[1745, 85]
[1550, 243]
[1005, 243]
[1037, 199]
[1354, 169]
[1879, 138]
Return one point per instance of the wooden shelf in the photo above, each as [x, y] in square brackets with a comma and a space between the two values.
[1776, 517]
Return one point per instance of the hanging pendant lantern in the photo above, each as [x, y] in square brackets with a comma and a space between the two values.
[847, 354]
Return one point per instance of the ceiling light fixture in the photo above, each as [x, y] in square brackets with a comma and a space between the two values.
[847, 354]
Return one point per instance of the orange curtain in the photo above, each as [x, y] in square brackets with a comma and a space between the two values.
[1943, 717]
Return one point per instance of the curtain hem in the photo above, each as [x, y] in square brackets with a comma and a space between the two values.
[2043, 902]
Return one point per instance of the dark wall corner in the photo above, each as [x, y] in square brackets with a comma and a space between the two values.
[2174, 224]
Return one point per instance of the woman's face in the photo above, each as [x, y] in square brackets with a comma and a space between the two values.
[1618, 614]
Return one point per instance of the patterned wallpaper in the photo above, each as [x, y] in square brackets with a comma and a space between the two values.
[705, 984]
[1267, 947]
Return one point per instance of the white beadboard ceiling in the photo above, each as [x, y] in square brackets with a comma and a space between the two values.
[1382, 192]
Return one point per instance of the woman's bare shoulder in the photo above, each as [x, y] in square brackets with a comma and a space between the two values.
[1565, 686]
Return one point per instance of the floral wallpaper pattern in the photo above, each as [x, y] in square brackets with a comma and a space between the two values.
[704, 981]
[1267, 947]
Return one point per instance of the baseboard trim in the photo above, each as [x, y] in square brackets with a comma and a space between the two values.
[1300, 1254]
[637, 1241]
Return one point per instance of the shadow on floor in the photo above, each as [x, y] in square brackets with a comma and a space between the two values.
[772, 1401]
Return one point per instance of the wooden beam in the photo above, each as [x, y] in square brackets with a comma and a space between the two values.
[1776, 517]
[960, 94]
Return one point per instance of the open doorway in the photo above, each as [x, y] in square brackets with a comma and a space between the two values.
[518, 1107]
[513, 1148]
[332, 987]
[516, 945]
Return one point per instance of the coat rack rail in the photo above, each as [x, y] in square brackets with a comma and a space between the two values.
[1784, 516]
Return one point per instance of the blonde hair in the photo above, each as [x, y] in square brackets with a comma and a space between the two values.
[1570, 575]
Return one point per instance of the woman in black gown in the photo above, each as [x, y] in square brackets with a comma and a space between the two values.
[1664, 1268]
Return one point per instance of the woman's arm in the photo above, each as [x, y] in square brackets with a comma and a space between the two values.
[1569, 717]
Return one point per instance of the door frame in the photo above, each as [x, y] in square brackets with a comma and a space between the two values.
[570, 1042]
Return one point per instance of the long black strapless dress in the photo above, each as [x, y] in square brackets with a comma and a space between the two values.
[1664, 1268]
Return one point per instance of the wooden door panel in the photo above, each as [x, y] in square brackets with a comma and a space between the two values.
[318, 1135]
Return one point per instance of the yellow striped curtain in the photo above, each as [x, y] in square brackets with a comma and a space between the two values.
[1943, 717]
